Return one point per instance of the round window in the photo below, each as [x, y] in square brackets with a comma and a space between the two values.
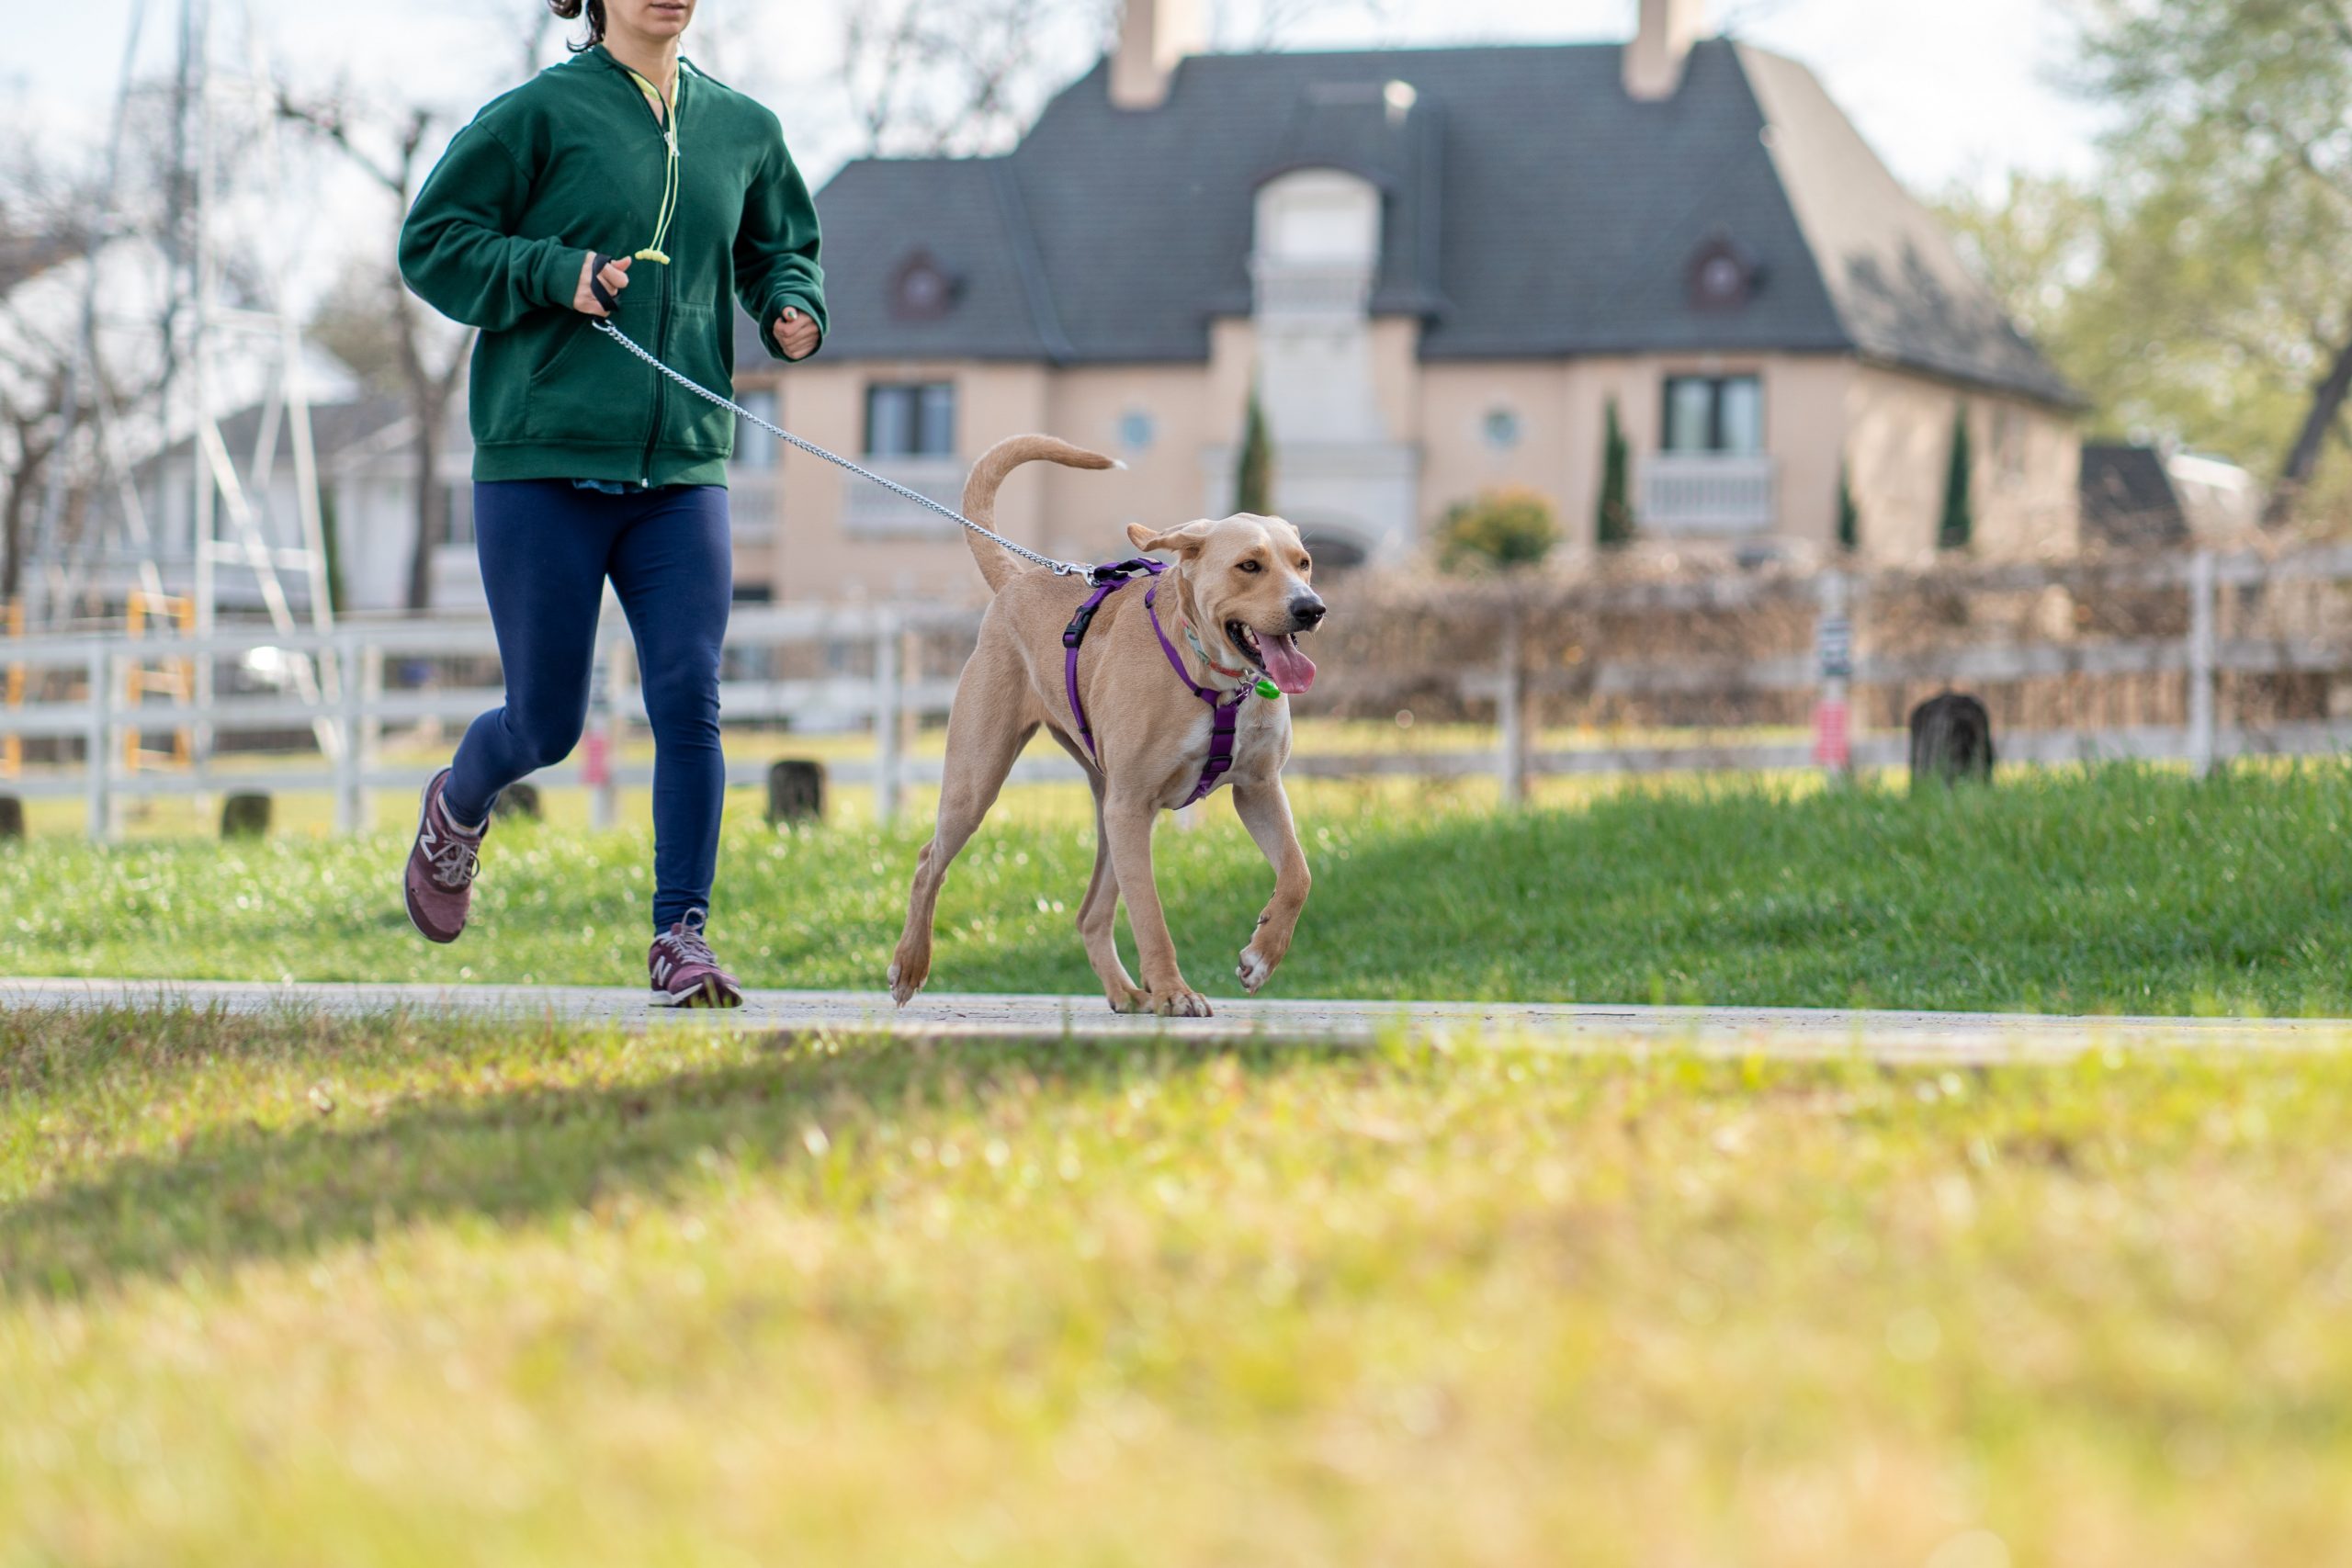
[1136, 430]
[1501, 428]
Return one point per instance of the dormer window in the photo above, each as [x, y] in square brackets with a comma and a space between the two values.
[1319, 218]
[1722, 275]
[922, 289]
[1318, 244]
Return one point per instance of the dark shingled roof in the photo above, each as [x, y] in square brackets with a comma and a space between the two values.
[1532, 209]
[2128, 497]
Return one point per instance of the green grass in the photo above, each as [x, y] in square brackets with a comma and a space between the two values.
[295, 1293]
[2118, 890]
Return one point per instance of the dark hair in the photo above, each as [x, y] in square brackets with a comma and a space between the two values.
[568, 9]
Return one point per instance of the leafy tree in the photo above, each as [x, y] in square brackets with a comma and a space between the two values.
[1503, 530]
[1253, 480]
[2233, 119]
[1614, 525]
[2193, 287]
[1958, 525]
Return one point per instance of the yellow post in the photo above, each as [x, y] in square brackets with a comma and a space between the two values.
[175, 678]
[183, 738]
[134, 614]
[12, 747]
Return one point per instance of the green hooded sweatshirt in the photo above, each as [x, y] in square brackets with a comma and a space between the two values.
[572, 162]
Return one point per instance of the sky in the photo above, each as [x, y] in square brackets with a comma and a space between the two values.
[1948, 91]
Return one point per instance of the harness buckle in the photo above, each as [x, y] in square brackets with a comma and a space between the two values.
[1074, 633]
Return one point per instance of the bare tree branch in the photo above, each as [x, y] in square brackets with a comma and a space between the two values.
[429, 380]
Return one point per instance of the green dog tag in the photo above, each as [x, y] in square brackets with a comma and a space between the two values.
[1267, 688]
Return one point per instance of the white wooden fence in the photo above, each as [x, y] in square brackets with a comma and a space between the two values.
[354, 705]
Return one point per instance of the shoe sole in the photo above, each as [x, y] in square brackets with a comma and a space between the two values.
[408, 895]
[707, 995]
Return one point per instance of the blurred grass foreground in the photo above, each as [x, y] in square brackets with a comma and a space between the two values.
[291, 1293]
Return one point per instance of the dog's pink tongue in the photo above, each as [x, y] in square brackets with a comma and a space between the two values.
[1291, 670]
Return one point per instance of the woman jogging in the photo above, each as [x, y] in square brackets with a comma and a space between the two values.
[621, 183]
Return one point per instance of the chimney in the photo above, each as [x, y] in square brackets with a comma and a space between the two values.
[1654, 59]
[1153, 36]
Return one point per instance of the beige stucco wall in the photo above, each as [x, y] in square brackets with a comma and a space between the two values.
[1087, 513]
[813, 558]
[1899, 437]
[1561, 409]
[1891, 428]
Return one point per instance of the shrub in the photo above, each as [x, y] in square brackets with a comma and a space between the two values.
[1614, 524]
[1254, 480]
[1957, 525]
[1503, 530]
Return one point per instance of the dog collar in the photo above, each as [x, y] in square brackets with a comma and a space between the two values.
[1244, 676]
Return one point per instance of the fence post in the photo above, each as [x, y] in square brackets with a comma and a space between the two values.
[608, 706]
[889, 707]
[1833, 646]
[1510, 709]
[100, 812]
[348, 793]
[2203, 677]
[371, 726]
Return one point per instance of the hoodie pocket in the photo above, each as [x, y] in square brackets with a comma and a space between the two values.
[588, 392]
[689, 423]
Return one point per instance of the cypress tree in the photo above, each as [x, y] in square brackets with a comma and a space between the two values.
[1254, 480]
[1614, 524]
[1959, 524]
[1849, 516]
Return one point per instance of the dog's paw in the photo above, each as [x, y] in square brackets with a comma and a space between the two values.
[902, 991]
[1129, 1000]
[1180, 1001]
[1255, 969]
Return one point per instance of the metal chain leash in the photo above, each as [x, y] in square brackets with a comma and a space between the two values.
[1058, 567]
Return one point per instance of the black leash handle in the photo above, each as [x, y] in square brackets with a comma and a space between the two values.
[604, 297]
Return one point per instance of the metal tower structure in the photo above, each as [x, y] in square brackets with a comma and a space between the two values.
[224, 331]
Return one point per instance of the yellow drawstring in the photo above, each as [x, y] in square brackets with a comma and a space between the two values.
[668, 109]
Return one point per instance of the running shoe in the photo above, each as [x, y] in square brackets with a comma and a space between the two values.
[685, 973]
[442, 865]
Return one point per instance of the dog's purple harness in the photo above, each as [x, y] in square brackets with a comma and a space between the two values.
[1223, 709]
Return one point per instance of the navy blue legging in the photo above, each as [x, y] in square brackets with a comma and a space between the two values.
[545, 549]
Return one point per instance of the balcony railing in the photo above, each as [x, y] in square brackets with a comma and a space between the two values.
[870, 510]
[1311, 288]
[1708, 493]
[752, 502]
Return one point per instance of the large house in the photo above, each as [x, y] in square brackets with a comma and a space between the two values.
[1438, 270]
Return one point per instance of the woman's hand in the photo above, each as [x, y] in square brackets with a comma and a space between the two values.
[615, 277]
[795, 333]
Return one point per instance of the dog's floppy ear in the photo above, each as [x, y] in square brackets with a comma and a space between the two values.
[1184, 541]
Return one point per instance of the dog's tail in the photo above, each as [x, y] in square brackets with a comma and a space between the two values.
[997, 563]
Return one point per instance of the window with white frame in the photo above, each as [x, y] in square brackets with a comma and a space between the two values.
[1720, 414]
[755, 449]
[2008, 443]
[1319, 217]
[911, 419]
[458, 515]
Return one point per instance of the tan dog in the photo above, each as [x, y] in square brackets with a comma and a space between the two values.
[1242, 586]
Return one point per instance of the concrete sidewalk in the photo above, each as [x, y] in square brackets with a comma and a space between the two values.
[1775, 1031]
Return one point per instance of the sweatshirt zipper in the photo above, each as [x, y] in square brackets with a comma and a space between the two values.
[662, 318]
[661, 384]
